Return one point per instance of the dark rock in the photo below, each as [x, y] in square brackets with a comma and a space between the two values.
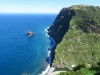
[61, 24]
[30, 34]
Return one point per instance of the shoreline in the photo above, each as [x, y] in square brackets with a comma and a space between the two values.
[49, 58]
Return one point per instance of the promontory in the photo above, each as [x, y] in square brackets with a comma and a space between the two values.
[76, 31]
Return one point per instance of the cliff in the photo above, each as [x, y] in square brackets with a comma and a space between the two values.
[61, 24]
[77, 32]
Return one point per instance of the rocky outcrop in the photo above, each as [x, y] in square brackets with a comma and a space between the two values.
[30, 34]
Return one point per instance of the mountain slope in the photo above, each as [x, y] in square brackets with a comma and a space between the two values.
[77, 32]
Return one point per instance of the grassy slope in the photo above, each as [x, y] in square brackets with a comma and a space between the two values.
[81, 44]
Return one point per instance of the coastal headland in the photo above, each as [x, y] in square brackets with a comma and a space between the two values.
[76, 32]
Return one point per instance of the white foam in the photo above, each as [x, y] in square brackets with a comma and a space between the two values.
[46, 30]
[48, 67]
[47, 35]
[46, 70]
[49, 53]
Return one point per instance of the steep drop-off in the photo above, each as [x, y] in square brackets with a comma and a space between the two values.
[61, 24]
[77, 33]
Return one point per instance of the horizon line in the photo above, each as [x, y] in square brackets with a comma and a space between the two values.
[28, 13]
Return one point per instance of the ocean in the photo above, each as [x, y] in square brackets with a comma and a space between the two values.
[19, 54]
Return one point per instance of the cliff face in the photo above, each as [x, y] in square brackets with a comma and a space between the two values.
[77, 32]
[61, 24]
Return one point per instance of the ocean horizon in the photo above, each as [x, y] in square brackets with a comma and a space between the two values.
[19, 54]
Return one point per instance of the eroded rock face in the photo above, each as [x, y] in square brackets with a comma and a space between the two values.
[30, 33]
[61, 24]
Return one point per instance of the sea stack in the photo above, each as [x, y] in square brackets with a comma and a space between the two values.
[30, 33]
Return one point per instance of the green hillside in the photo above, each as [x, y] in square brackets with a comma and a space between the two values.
[81, 43]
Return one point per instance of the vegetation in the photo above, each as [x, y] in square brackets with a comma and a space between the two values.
[83, 71]
[81, 43]
[80, 70]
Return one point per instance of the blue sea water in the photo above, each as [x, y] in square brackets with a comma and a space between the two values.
[19, 54]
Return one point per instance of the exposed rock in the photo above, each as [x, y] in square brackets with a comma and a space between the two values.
[30, 33]
[61, 24]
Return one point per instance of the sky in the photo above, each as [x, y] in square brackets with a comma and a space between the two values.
[40, 6]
